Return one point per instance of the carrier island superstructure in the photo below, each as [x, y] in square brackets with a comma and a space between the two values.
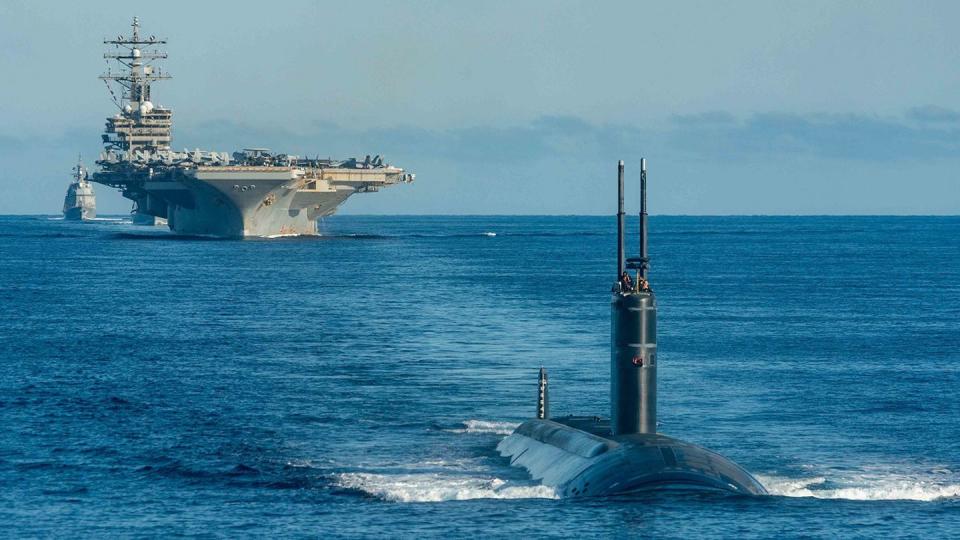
[249, 193]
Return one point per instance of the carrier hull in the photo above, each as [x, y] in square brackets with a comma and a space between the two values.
[146, 220]
[261, 203]
[241, 201]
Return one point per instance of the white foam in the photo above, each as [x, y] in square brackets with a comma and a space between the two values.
[864, 488]
[436, 487]
[486, 426]
[489, 234]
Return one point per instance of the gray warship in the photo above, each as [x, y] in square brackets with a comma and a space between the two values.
[80, 203]
[594, 456]
[254, 192]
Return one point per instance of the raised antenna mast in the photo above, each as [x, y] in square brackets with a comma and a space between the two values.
[620, 219]
[543, 396]
[644, 260]
[136, 81]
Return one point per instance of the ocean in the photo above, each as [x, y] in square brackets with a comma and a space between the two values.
[356, 384]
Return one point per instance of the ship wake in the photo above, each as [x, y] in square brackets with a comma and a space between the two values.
[486, 427]
[932, 486]
[438, 487]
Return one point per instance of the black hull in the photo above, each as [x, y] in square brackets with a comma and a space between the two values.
[577, 456]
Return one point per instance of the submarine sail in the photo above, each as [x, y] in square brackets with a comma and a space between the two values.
[592, 456]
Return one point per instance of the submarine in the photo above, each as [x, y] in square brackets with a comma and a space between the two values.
[582, 456]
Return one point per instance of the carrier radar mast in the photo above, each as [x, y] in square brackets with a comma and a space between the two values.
[136, 82]
[140, 123]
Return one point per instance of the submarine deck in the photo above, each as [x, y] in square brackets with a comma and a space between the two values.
[595, 425]
[578, 456]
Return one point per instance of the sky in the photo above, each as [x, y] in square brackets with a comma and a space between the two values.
[520, 107]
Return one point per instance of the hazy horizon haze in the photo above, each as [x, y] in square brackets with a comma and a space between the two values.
[746, 108]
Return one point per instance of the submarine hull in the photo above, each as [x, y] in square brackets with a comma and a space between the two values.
[578, 457]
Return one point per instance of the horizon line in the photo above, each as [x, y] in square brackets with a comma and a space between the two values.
[558, 215]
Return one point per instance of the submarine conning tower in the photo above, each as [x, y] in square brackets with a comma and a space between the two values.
[633, 330]
[592, 456]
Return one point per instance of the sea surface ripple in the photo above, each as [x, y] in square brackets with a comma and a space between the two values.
[357, 383]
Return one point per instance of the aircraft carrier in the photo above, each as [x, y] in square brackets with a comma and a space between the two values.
[254, 192]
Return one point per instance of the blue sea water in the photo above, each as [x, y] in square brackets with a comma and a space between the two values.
[357, 384]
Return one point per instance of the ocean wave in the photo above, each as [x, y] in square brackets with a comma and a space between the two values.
[437, 487]
[486, 426]
[863, 488]
[355, 236]
[443, 235]
[42, 235]
[162, 234]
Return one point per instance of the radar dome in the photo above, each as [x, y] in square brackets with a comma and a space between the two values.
[146, 107]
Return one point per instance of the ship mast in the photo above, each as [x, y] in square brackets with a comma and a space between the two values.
[79, 173]
[136, 81]
[140, 126]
